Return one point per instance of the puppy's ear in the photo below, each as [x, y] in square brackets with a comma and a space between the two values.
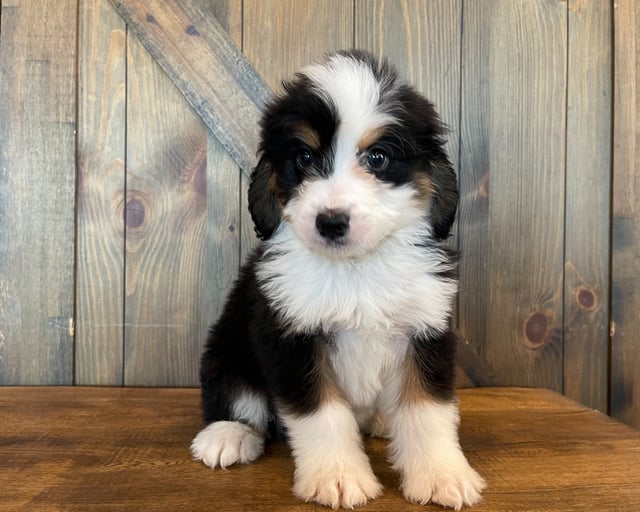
[444, 201]
[263, 205]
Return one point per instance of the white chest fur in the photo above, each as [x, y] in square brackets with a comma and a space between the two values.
[396, 288]
[363, 363]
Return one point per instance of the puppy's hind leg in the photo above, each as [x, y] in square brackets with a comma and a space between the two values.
[235, 406]
[238, 441]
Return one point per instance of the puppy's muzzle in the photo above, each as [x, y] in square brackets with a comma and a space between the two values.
[332, 225]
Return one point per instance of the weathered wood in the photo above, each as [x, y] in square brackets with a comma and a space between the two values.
[625, 305]
[511, 226]
[37, 190]
[101, 192]
[181, 242]
[196, 51]
[128, 449]
[165, 223]
[224, 202]
[222, 237]
[586, 305]
[281, 36]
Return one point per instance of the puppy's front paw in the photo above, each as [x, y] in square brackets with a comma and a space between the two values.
[348, 488]
[451, 486]
[224, 443]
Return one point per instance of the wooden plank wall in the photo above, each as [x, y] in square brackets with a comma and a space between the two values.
[101, 194]
[37, 190]
[625, 264]
[512, 167]
[111, 275]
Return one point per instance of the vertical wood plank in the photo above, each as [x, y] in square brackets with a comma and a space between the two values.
[511, 225]
[222, 237]
[37, 191]
[586, 317]
[224, 229]
[101, 186]
[165, 220]
[281, 36]
[625, 306]
[170, 217]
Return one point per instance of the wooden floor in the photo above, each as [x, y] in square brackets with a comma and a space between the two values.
[128, 449]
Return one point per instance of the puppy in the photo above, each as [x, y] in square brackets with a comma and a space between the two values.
[339, 322]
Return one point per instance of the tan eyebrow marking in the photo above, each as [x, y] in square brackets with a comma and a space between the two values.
[307, 135]
[369, 138]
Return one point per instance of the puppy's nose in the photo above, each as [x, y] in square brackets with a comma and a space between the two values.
[332, 224]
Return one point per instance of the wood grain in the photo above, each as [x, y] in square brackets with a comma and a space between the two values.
[588, 190]
[512, 177]
[281, 36]
[224, 230]
[180, 220]
[196, 51]
[37, 190]
[165, 223]
[128, 449]
[625, 304]
[101, 143]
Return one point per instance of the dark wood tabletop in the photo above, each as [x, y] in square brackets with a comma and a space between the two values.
[75, 448]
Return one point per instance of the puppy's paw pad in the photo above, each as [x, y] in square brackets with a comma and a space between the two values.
[454, 489]
[224, 443]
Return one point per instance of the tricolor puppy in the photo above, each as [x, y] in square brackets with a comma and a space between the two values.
[339, 322]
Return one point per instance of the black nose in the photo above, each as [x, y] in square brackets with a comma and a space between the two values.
[333, 224]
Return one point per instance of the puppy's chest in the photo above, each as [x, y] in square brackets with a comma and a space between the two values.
[379, 295]
[363, 360]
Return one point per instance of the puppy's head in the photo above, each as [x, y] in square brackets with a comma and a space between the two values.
[349, 156]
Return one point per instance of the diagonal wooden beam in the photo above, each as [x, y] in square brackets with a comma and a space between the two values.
[206, 66]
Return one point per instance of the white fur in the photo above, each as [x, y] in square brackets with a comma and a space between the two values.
[424, 448]
[376, 211]
[393, 288]
[331, 466]
[224, 443]
[349, 85]
[362, 361]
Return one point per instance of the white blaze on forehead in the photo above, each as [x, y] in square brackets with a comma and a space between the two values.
[351, 87]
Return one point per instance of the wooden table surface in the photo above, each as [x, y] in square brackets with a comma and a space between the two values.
[128, 449]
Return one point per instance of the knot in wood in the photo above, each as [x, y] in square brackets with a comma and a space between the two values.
[537, 328]
[586, 298]
[134, 213]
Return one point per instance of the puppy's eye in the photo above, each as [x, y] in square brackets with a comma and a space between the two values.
[377, 159]
[304, 159]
